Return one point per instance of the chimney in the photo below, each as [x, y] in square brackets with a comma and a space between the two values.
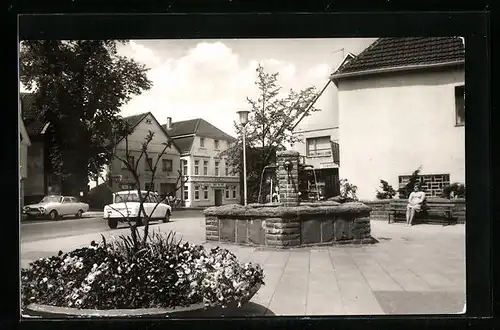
[169, 122]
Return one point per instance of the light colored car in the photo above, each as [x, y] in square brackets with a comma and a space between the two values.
[126, 204]
[55, 207]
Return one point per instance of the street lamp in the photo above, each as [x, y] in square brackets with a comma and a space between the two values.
[243, 121]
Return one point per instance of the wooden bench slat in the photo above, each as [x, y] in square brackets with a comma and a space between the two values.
[434, 210]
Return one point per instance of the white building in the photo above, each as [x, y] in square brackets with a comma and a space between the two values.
[211, 181]
[401, 107]
[319, 132]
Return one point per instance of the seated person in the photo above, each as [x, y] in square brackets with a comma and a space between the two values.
[415, 204]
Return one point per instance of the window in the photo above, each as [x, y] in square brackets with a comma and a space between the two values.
[196, 192]
[227, 193]
[217, 168]
[460, 105]
[319, 147]
[205, 167]
[196, 167]
[216, 144]
[66, 200]
[73, 200]
[202, 142]
[205, 192]
[431, 184]
[131, 162]
[167, 165]
[148, 163]
[186, 193]
[227, 170]
[148, 121]
[184, 167]
[234, 191]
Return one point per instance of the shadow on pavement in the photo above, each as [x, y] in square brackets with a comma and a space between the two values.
[251, 309]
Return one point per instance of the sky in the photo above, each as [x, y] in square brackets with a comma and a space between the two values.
[211, 79]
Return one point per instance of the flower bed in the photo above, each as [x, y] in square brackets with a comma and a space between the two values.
[160, 274]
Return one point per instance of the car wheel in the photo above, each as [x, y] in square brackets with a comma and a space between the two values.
[53, 215]
[79, 214]
[167, 217]
[112, 223]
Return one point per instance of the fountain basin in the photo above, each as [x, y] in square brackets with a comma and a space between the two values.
[278, 226]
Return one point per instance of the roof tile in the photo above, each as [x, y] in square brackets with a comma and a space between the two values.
[401, 52]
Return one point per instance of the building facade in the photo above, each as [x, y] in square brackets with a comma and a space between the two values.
[38, 179]
[402, 107]
[166, 177]
[319, 146]
[210, 179]
[24, 143]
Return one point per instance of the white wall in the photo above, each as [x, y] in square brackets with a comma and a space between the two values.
[392, 124]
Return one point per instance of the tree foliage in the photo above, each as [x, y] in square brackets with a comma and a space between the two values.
[386, 192]
[79, 87]
[270, 126]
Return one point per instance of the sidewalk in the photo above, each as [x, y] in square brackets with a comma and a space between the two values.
[411, 270]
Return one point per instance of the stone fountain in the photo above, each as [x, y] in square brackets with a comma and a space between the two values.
[289, 223]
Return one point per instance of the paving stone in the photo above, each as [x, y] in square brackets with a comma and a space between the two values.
[420, 302]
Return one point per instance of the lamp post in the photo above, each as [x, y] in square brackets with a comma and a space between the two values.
[243, 121]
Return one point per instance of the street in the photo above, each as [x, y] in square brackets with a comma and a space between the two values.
[32, 231]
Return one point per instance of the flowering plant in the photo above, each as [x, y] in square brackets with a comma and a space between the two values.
[108, 276]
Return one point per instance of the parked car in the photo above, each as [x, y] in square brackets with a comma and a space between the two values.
[126, 204]
[55, 207]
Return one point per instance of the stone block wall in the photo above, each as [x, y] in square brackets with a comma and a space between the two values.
[290, 231]
[288, 181]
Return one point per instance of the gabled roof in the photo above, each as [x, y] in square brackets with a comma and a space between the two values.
[183, 133]
[33, 120]
[198, 127]
[397, 54]
[23, 134]
[134, 120]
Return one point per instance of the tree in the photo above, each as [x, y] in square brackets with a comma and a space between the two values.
[269, 128]
[79, 87]
[121, 133]
[387, 191]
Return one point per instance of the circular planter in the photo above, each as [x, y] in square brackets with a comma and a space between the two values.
[195, 310]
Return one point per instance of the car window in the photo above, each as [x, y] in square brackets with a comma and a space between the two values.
[73, 200]
[51, 199]
[66, 200]
[126, 198]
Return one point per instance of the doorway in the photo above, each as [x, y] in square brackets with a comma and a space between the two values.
[218, 197]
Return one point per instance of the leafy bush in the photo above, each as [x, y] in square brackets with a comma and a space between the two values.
[387, 192]
[454, 190]
[348, 190]
[162, 273]
[99, 196]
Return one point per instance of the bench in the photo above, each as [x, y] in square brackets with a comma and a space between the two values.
[431, 211]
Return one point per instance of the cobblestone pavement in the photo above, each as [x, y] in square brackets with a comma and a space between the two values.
[412, 270]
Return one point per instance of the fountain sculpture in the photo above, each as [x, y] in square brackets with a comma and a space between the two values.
[289, 223]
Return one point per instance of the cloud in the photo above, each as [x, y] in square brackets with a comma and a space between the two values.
[208, 80]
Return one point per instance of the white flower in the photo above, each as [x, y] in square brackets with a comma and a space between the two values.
[86, 288]
[44, 280]
[78, 302]
[94, 267]
[119, 269]
[187, 270]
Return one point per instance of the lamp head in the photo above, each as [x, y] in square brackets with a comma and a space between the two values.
[243, 116]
